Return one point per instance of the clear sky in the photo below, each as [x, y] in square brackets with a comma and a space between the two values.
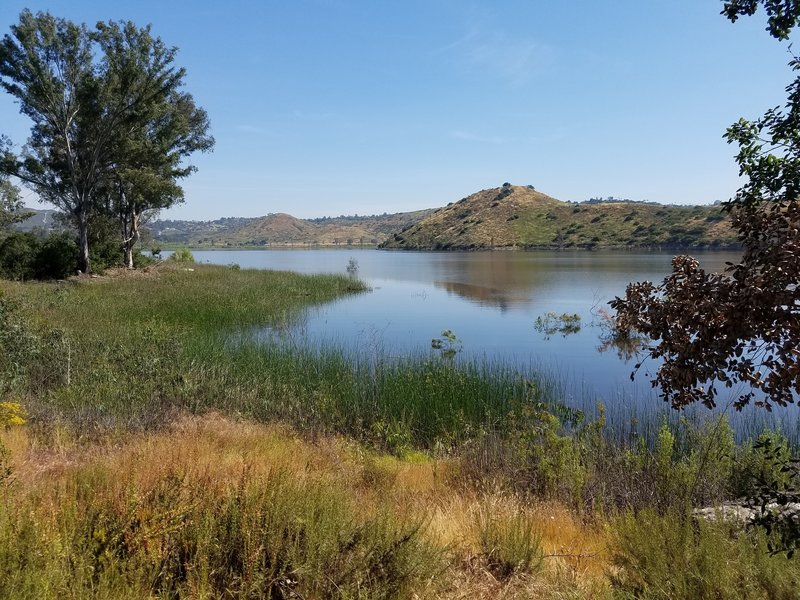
[329, 107]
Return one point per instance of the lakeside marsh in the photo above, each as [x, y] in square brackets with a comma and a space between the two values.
[161, 459]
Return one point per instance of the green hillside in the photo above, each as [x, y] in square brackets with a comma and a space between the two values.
[521, 217]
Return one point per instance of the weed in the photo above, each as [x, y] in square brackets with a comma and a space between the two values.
[507, 540]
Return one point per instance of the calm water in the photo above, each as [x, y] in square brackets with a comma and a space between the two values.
[490, 300]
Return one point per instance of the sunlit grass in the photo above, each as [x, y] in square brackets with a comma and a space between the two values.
[181, 512]
[168, 454]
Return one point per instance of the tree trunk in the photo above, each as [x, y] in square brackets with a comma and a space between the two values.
[130, 238]
[128, 256]
[83, 242]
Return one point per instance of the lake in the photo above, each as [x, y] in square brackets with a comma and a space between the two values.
[490, 301]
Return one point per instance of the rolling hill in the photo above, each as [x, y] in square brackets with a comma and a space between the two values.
[504, 217]
[521, 217]
[279, 229]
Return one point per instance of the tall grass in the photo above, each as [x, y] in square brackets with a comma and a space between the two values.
[171, 529]
[126, 355]
[131, 349]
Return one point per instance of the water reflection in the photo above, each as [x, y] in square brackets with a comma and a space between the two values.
[485, 296]
[490, 300]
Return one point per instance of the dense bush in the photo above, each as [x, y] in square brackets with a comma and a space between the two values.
[23, 256]
[106, 253]
[182, 255]
[674, 556]
[18, 254]
[57, 257]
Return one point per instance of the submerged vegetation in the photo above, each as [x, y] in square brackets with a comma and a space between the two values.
[369, 478]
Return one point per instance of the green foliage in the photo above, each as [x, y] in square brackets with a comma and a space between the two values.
[105, 249]
[57, 257]
[120, 99]
[19, 349]
[760, 461]
[508, 543]
[449, 345]
[777, 494]
[182, 255]
[18, 254]
[552, 323]
[672, 556]
[23, 256]
[783, 15]
[11, 208]
[141, 260]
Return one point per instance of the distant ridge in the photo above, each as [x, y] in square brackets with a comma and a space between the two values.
[43, 220]
[513, 216]
[508, 216]
[280, 229]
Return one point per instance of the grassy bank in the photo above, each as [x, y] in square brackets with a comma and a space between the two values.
[328, 475]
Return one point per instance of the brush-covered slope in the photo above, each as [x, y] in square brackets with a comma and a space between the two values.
[519, 216]
[280, 229]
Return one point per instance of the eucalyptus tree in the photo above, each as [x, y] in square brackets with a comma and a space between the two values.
[165, 128]
[105, 103]
[47, 65]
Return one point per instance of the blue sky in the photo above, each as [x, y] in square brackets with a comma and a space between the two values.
[329, 107]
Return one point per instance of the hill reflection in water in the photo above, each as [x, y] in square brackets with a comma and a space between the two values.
[485, 296]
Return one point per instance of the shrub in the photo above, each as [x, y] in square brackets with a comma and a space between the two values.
[673, 556]
[182, 255]
[18, 256]
[507, 541]
[57, 257]
[271, 537]
[142, 260]
[19, 347]
[12, 414]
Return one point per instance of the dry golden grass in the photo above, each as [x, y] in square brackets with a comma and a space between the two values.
[223, 453]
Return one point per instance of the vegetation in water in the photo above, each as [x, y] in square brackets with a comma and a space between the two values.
[121, 360]
[552, 323]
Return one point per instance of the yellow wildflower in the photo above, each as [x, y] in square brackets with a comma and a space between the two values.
[12, 413]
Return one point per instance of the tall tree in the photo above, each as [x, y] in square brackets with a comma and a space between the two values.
[47, 65]
[741, 326]
[166, 128]
[98, 100]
